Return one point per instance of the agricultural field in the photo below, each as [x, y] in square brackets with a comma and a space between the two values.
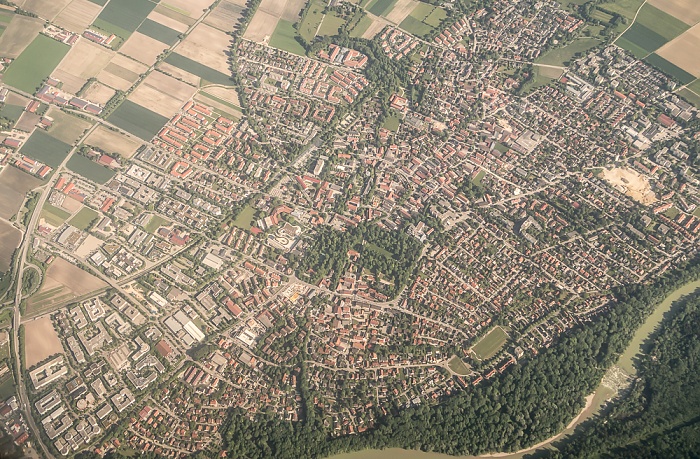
[195, 68]
[14, 185]
[84, 60]
[5, 18]
[113, 142]
[173, 15]
[261, 27]
[78, 15]
[18, 34]
[45, 148]
[143, 48]
[121, 72]
[12, 112]
[220, 105]
[681, 57]
[208, 46]
[66, 128]
[422, 19]
[137, 120]
[225, 16]
[99, 93]
[685, 10]
[191, 8]
[694, 99]
[560, 56]
[64, 282]
[84, 218]
[169, 22]
[47, 9]
[266, 20]
[683, 52]
[53, 215]
[90, 169]
[162, 94]
[490, 344]
[35, 63]
[122, 18]
[652, 29]
[27, 122]
[159, 32]
[285, 37]
[41, 341]
[380, 7]
[361, 27]
[10, 238]
[401, 10]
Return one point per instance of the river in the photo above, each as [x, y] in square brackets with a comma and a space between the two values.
[594, 401]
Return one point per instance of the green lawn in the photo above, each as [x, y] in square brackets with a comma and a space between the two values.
[54, 215]
[137, 120]
[392, 123]
[415, 27]
[159, 32]
[626, 8]
[200, 70]
[35, 64]
[458, 366]
[284, 37]
[670, 68]
[7, 387]
[331, 25]
[560, 56]
[90, 169]
[245, 218]
[84, 218]
[154, 223]
[380, 7]
[490, 344]
[308, 27]
[422, 11]
[43, 147]
[479, 177]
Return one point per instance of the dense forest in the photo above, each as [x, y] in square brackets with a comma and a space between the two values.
[660, 417]
[527, 404]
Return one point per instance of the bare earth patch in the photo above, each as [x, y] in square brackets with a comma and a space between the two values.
[41, 341]
[113, 142]
[19, 33]
[261, 27]
[374, 28]
[401, 10]
[684, 50]
[684, 10]
[99, 93]
[225, 16]
[142, 48]
[208, 46]
[14, 184]
[631, 183]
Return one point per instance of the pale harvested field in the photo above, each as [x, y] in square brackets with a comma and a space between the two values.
[84, 60]
[89, 245]
[14, 184]
[162, 94]
[121, 72]
[63, 282]
[239, 2]
[208, 46]
[261, 27]
[225, 16]
[174, 15]
[684, 50]
[222, 108]
[174, 24]
[27, 122]
[630, 182]
[227, 94]
[10, 238]
[16, 99]
[40, 341]
[71, 205]
[374, 28]
[45, 9]
[401, 9]
[113, 142]
[19, 33]
[142, 48]
[99, 93]
[179, 73]
[66, 128]
[687, 11]
[78, 15]
[194, 8]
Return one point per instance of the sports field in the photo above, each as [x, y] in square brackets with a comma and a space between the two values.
[45, 148]
[35, 64]
[84, 218]
[490, 344]
[90, 169]
[137, 120]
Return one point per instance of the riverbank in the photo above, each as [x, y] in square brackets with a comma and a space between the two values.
[593, 403]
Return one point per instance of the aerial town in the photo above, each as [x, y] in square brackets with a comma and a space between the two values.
[392, 210]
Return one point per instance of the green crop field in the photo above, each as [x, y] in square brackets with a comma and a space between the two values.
[35, 64]
[670, 68]
[123, 17]
[159, 32]
[309, 25]
[422, 11]
[90, 169]
[331, 25]
[435, 17]
[601, 16]
[11, 112]
[54, 215]
[415, 27]
[5, 18]
[559, 56]
[380, 7]
[284, 37]
[490, 344]
[195, 68]
[695, 86]
[45, 148]
[641, 38]
[361, 27]
[100, 2]
[694, 99]
[661, 23]
[137, 120]
[83, 218]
